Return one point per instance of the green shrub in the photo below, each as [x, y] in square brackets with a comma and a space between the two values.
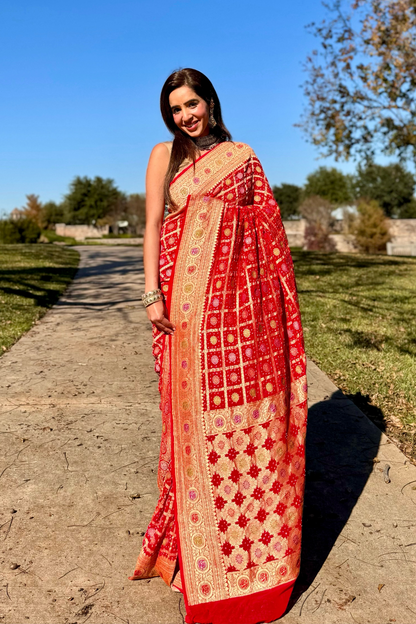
[317, 238]
[371, 228]
[52, 237]
[9, 234]
[19, 231]
[317, 212]
[118, 236]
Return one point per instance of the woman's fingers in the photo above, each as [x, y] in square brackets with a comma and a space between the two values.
[156, 315]
[164, 325]
[166, 322]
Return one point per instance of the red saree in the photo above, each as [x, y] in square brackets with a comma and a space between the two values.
[233, 397]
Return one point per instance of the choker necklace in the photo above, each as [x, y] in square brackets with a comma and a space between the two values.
[207, 142]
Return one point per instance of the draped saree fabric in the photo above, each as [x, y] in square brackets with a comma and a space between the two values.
[233, 397]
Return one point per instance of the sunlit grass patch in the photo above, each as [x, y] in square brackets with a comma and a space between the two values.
[359, 316]
[32, 278]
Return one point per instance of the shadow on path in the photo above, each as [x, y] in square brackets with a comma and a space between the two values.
[106, 279]
[341, 445]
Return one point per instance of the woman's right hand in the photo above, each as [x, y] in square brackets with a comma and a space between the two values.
[156, 315]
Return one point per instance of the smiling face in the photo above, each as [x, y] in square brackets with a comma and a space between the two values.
[190, 112]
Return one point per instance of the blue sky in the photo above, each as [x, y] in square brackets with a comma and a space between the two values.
[80, 84]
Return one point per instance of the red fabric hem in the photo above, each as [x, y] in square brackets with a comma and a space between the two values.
[264, 606]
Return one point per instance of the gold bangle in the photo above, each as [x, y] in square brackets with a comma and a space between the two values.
[156, 291]
[152, 297]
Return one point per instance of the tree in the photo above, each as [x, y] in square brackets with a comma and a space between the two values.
[136, 211]
[115, 214]
[33, 210]
[371, 228]
[331, 184]
[9, 232]
[361, 83]
[392, 186]
[408, 211]
[288, 197]
[90, 200]
[18, 231]
[317, 212]
[53, 213]
[131, 208]
[317, 238]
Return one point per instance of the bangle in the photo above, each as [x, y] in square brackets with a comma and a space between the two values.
[151, 297]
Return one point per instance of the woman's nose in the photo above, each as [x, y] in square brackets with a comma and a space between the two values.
[186, 115]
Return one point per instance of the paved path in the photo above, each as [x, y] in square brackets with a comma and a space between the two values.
[79, 440]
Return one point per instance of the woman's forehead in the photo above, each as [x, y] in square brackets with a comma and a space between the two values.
[182, 95]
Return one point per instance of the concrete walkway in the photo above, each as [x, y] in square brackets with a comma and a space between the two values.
[79, 441]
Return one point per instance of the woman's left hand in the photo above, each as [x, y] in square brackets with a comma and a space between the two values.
[157, 315]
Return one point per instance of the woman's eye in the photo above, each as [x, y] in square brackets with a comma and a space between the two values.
[175, 111]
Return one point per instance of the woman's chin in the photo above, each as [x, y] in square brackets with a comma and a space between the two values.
[196, 134]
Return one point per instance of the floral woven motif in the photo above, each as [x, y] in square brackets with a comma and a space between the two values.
[233, 394]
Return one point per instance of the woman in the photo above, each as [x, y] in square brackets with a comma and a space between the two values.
[221, 294]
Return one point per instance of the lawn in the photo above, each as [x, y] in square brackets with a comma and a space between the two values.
[359, 316]
[32, 278]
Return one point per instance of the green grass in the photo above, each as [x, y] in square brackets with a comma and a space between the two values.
[359, 316]
[32, 278]
[68, 240]
[122, 235]
[52, 237]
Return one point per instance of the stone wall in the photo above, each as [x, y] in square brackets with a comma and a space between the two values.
[344, 243]
[403, 230]
[81, 232]
[295, 232]
[403, 237]
[403, 233]
[401, 249]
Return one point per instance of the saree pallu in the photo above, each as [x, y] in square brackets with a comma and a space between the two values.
[233, 397]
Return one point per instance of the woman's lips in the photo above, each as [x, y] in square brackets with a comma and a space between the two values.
[192, 126]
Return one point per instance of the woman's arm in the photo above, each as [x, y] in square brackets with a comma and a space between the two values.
[155, 207]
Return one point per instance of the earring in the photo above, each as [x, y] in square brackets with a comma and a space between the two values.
[212, 123]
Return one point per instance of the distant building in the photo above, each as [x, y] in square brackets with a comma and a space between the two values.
[339, 213]
[16, 214]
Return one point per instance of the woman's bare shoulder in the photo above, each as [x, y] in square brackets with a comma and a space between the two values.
[162, 149]
[159, 156]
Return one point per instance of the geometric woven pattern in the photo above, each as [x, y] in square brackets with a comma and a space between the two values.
[233, 387]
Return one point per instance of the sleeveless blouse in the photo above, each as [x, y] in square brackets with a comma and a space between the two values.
[184, 163]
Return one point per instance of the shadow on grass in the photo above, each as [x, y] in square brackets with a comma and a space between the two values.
[310, 261]
[367, 298]
[341, 445]
[32, 283]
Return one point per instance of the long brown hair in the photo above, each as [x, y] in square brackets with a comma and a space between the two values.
[183, 145]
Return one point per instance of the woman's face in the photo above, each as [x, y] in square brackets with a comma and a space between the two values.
[190, 112]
